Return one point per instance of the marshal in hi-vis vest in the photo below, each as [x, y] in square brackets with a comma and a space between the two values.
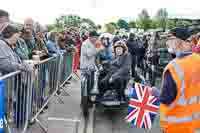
[183, 115]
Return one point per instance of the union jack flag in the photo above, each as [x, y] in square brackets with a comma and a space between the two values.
[143, 107]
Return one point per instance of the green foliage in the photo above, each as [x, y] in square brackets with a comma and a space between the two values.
[50, 27]
[154, 24]
[66, 21]
[89, 22]
[144, 21]
[110, 28]
[122, 24]
[180, 23]
[161, 18]
[171, 24]
[132, 24]
[114, 24]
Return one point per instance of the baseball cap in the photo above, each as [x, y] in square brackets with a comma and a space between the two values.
[181, 33]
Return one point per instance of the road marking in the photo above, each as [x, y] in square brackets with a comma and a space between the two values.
[63, 119]
[90, 126]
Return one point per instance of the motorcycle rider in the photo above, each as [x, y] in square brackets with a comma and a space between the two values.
[106, 40]
[119, 73]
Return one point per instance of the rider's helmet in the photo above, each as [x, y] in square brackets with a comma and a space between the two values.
[121, 44]
[106, 39]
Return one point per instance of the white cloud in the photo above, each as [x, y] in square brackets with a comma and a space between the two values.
[46, 11]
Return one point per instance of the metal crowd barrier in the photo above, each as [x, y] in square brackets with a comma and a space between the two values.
[52, 75]
[27, 94]
[66, 68]
[16, 91]
[45, 86]
[66, 72]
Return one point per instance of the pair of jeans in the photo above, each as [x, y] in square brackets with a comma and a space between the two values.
[90, 80]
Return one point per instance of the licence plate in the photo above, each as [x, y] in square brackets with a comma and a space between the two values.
[111, 103]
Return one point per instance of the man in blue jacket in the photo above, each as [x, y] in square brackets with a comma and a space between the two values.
[106, 40]
[169, 91]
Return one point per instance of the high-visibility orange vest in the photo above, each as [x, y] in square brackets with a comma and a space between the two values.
[183, 115]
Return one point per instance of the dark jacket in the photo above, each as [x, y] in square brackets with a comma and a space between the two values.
[132, 46]
[121, 66]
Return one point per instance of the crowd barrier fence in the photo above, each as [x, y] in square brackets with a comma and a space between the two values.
[24, 95]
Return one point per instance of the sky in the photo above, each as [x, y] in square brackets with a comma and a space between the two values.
[100, 11]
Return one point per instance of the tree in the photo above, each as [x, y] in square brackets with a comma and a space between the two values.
[68, 21]
[182, 23]
[50, 27]
[170, 24]
[122, 24]
[114, 24]
[109, 28]
[161, 18]
[59, 23]
[154, 24]
[143, 21]
[89, 22]
[132, 24]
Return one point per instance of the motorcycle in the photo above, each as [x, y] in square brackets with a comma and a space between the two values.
[91, 92]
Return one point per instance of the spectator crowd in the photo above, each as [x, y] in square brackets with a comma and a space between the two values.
[31, 42]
